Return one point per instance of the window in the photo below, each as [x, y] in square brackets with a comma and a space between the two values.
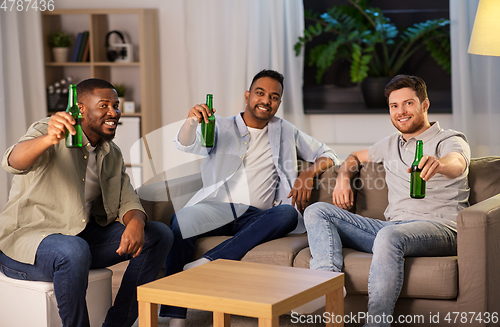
[336, 93]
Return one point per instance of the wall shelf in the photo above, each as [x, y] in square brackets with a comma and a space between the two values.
[141, 76]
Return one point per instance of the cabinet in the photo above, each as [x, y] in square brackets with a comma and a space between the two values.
[141, 75]
[127, 134]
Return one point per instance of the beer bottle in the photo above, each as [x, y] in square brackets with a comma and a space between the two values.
[417, 184]
[74, 141]
[208, 129]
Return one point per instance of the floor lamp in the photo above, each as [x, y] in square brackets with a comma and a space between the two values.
[485, 38]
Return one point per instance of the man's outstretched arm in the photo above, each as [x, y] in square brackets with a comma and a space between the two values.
[26, 153]
[450, 166]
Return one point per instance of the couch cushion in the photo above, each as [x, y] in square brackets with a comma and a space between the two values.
[425, 277]
[279, 252]
[323, 187]
[484, 178]
[371, 191]
[302, 259]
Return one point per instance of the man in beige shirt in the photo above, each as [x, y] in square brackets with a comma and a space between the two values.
[60, 220]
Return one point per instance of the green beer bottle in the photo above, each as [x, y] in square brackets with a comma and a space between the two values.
[208, 129]
[417, 184]
[74, 141]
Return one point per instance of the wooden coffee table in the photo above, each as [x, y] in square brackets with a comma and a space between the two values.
[242, 288]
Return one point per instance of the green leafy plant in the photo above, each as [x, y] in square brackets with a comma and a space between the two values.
[372, 45]
[60, 39]
[120, 89]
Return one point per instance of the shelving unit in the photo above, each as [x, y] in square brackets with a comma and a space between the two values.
[142, 75]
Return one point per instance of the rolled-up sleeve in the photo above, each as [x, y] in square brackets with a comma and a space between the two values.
[196, 147]
[35, 130]
[7, 166]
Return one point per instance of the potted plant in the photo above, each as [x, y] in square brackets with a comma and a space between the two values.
[60, 42]
[120, 91]
[373, 46]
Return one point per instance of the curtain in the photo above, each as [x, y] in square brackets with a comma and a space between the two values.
[228, 42]
[22, 100]
[475, 84]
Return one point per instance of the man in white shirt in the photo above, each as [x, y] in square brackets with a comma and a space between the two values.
[250, 184]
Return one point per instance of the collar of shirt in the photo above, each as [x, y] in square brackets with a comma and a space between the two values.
[102, 147]
[242, 127]
[274, 129]
[426, 136]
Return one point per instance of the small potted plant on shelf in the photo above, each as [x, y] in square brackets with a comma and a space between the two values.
[120, 91]
[374, 47]
[60, 42]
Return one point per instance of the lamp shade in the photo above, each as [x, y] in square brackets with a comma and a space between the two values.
[485, 38]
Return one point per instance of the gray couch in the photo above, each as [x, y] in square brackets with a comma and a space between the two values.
[467, 283]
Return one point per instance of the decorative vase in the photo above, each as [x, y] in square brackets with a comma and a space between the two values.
[60, 54]
[373, 91]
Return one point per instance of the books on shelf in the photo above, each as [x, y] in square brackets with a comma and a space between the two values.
[74, 57]
[81, 50]
[86, 50]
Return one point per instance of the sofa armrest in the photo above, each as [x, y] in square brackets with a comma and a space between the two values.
[479, 256]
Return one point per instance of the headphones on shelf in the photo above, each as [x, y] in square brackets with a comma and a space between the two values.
[111, 52]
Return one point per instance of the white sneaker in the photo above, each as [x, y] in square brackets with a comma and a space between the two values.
[314, 305]
[196, 263]
[177, 322]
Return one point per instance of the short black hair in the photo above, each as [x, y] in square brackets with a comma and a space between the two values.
[269, 73]
[402, 81]
[89, 85]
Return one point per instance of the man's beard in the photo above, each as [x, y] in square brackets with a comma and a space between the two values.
[97, 129]
[262, 115]
[413, 128]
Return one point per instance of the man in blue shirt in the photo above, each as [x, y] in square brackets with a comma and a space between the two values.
[250, 184]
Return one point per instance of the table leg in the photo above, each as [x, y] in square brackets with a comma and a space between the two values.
[335, 306]
[222, 319]
[148, 314]
[266, 322]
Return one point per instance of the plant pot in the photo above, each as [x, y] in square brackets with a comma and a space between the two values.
[373, 91]
[60, 54]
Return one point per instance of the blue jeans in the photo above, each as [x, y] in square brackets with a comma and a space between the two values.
[252, 228]
[329, 228]
[65, 260]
